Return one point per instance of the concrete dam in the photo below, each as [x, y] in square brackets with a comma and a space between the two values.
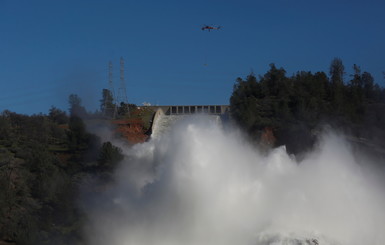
[192, 109]
[166, 116]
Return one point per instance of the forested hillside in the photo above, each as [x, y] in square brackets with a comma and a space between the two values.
[44, 160]
[295, 107]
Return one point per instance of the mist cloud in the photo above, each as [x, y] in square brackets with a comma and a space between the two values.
[201, 185]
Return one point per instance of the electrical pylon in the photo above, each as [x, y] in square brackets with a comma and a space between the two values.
[122, 93]
[112, 91]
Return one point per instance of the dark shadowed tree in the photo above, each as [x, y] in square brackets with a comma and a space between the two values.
[77, 136]
[109, 156]
[58, 116]
[368, 85]
[123, 109]
[337, 72]
[107, 106]
[76, 108]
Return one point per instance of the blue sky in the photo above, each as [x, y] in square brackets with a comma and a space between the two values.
[50, 49]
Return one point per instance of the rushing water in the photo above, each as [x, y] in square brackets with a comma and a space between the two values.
[197, 184]
[164, 123]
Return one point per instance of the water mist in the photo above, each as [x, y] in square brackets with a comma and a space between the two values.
[200, 185]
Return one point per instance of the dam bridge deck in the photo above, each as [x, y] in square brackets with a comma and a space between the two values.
[192, 109]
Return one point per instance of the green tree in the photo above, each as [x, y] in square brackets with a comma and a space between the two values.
[355, 100]
[5, 128]
[243, 101]
[78, 136]
[125, 109]
[58, 116]
[368, 85]
[109, 156]
[107, 105]
[76, 108]
[274, 81]
[337, 72]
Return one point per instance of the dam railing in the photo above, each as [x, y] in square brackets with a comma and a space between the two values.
[192, 109]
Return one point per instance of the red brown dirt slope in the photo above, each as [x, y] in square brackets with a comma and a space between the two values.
[132, 130]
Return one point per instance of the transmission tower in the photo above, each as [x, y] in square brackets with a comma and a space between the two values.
[122, 94]
[112, 91]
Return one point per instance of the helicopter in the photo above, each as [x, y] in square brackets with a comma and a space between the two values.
[209, 28]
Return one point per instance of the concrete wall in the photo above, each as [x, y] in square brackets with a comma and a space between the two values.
[192, 109]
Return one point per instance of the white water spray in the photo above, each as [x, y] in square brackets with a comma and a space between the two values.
[201, 185]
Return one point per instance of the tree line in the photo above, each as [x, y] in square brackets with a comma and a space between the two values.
[43, 162]
[293, 107]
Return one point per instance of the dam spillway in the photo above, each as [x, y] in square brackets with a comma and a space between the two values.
[162, 122]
